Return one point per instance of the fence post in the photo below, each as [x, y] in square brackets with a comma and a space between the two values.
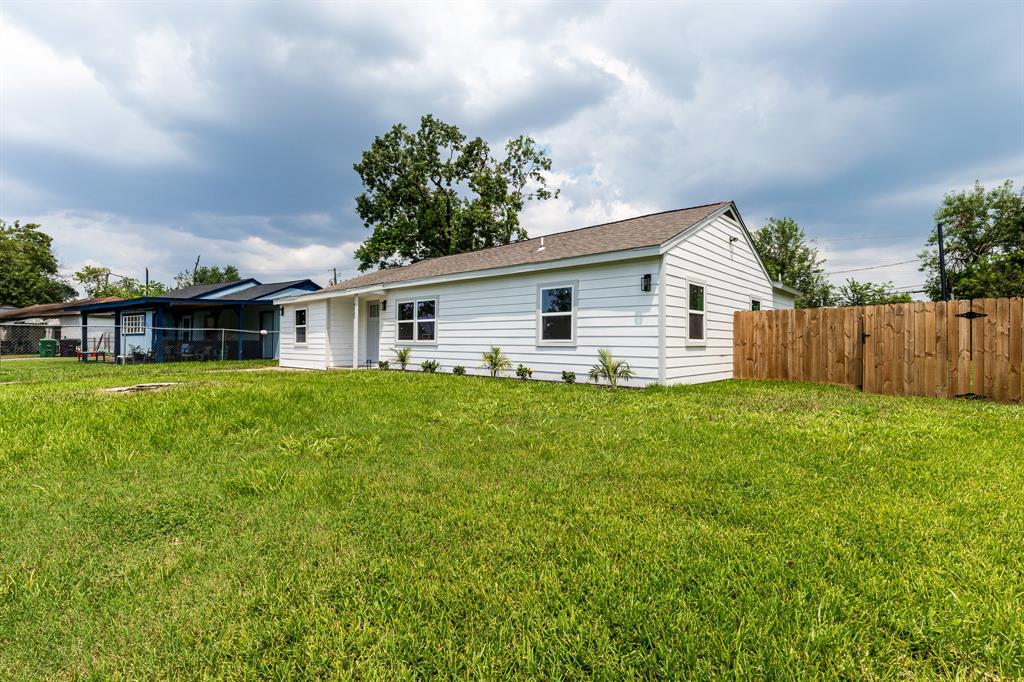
[158, 333]
[241, 326]
[222, 343]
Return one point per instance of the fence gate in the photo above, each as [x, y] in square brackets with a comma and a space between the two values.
[941, 349]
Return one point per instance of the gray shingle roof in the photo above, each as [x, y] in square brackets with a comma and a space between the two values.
[197, 290]
[52, 309]
[633, 233]
[264, 290]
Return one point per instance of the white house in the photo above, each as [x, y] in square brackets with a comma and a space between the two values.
[659, 291]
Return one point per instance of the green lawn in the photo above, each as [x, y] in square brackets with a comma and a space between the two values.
[389, 525]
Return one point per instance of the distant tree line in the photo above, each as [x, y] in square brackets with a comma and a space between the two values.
[983, 240]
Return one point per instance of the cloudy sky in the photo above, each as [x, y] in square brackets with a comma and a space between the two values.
[143, 134]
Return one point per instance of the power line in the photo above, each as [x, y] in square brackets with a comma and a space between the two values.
[873, 267]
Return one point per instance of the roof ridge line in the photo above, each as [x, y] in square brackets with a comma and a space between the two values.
[336, 287]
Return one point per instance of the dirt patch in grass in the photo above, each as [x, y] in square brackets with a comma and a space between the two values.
[138, 388]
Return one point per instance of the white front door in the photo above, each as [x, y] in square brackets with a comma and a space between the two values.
[372, 333]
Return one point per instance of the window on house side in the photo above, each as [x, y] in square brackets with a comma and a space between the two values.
[755, 304]
[300, 325]
[695, 330]
[133, 324]
[556, 311]
[417, 320]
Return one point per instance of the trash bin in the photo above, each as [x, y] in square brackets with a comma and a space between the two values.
[48, 348]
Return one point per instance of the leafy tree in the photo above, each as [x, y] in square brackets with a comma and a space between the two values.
[868, 293]
[795, 261]
[96, 281]
[433, 192]
[28, 267]
[984, 242]
[206, 274]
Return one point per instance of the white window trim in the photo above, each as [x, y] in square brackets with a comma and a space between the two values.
[697, 343]
[571, 341]
[415, 321]
[133, 328]
[295, 327]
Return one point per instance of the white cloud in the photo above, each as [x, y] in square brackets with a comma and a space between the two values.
[128, 248]
[55, 101]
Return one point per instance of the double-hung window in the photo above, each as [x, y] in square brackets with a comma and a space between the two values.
[133, 324]
[696, 327]
[300, 325]
[557, 323]
[417, 320]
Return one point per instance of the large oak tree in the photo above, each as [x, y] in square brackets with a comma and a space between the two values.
[434, 192]
[984, 242]
[28, 267]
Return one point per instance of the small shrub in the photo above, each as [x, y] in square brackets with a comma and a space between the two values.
[459, 370]
[402, 357]
[568, 377]
[495, 362]
[609, 368]
[524, 372]
[384, 364]
[429, 366]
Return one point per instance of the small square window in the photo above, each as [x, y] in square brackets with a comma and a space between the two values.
[417, 320]
[755, 304]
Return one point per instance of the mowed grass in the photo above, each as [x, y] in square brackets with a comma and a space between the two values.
[399, 525]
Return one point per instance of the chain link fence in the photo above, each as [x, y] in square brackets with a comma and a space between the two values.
[134, 345]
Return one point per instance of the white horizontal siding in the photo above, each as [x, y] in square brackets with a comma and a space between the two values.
[473, 315]
[313, 353]
[782, 300]
[731, 275]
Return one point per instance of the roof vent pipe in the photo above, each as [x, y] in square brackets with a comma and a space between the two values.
[541, 247]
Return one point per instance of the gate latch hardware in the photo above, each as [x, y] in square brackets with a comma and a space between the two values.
[971, 315]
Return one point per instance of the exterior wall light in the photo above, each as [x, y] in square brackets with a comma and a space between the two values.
[645, 282]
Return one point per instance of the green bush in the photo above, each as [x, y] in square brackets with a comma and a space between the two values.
[496, 362]
[568, 377]
[459, 370]
[402, 357]
[383, 364]
[429, 366]
[524, 372]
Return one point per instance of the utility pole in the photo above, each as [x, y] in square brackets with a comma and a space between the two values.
[942, 265]
[146, 290]
[195, 268]
[335, 280]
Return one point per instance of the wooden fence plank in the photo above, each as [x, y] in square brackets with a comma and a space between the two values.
[963, 344]
[1015, 368]
[870, 350]
[1001, 385]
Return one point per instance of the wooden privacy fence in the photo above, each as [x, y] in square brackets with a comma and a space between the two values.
[942, 349]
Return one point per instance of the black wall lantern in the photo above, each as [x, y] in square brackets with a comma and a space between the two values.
[645, 282]
[384, 305]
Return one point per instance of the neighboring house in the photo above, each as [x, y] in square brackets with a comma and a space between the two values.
[659, 291]
[58, 321]
[202, 321]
